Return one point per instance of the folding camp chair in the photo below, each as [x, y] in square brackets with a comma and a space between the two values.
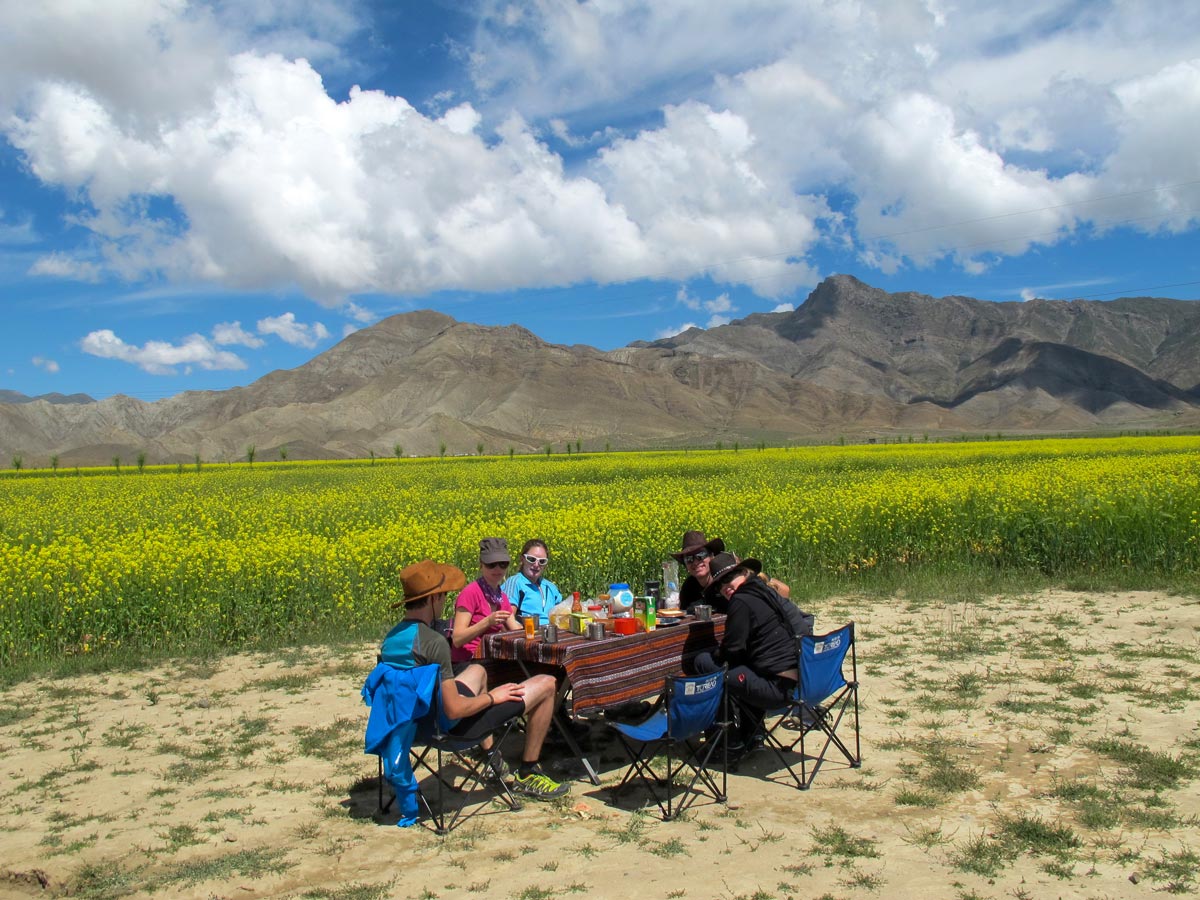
[690, 728]
[424, 742]
[822, 698]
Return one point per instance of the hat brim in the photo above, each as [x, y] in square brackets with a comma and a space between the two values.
[748, 563]
[453, 579]
[716, 545]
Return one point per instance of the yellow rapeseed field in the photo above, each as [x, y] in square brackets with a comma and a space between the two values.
[228, 555]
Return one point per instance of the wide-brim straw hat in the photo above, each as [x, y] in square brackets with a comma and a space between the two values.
[724, 565]
[695, 540]
[427, 577]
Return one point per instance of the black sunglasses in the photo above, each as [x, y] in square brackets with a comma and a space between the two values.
[696, 557]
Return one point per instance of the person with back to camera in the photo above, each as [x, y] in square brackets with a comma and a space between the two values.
[759, 646]
[528, 590]
[482, 606]
[465, 695]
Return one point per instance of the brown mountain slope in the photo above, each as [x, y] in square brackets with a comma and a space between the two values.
[851, 359]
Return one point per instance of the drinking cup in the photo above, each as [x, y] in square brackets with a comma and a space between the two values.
[703, 612]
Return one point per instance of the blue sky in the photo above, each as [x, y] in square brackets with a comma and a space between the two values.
[195, 194]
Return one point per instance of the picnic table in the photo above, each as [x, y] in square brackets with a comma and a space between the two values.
[608, 672]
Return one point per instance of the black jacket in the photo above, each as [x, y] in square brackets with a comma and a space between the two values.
[757, 635]
[690, 594]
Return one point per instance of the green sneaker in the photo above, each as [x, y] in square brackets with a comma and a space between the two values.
[538, 785]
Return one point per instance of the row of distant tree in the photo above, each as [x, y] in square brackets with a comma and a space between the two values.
[251, 452]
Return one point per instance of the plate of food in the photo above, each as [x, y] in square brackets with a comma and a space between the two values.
[669, 616]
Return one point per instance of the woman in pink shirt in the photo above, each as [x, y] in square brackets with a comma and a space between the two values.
[482, 607]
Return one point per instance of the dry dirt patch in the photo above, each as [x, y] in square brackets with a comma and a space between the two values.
[1040, 746]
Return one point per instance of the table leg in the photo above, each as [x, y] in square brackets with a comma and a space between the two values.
[564, 727]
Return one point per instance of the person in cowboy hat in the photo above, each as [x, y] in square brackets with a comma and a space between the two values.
[695, 554]
[759, 646]
[466, 696]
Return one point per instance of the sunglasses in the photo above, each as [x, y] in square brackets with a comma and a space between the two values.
[535, 560]
[696, 557]
[496, 565]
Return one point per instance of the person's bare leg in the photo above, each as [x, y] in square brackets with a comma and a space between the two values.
[474, 677]
[539, 711]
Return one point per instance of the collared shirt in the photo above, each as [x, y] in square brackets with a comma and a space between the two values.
[529, 598]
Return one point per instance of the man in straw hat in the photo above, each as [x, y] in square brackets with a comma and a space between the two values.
[466, 697]
[759, 645]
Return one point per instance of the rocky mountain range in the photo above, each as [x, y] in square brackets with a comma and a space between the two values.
[851, 360]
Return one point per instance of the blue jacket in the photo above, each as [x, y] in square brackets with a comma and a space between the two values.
[398, 699]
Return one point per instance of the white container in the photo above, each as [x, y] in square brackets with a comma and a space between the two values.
[621, 597]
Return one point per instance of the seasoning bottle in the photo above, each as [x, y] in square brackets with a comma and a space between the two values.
[576, 606]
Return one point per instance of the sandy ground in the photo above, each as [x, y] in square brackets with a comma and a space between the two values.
[1041, 746]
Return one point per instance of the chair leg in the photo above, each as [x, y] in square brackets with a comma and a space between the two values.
[448, 750]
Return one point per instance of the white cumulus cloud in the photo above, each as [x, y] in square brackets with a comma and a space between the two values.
[288, 330]
[718, 138]
[47, 365]
[161, 357]
[233, 333]
[358, 313]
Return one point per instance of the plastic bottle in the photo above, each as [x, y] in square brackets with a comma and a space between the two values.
[671, 596]
[621, 594]
[576, 606]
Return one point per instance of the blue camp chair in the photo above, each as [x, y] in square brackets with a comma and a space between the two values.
[689, 728]
[823, 698]
[408, 731]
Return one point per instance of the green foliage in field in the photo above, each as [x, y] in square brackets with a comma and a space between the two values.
[233, 556]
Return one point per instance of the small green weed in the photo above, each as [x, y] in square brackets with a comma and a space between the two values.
[1145, 768]
[329, 742]
[668, 848]
[1177, 871]
[836, 841]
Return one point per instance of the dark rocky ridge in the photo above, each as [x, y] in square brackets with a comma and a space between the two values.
[851, 360]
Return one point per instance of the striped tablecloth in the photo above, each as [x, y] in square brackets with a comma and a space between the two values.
[615, 669]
